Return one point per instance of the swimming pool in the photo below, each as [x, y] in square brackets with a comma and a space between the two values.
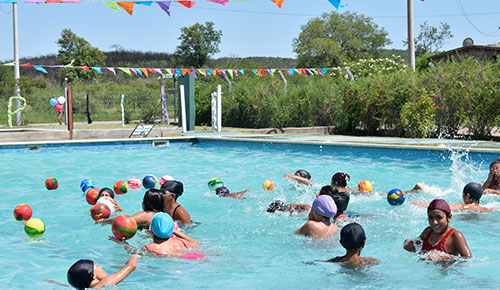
[247, 247]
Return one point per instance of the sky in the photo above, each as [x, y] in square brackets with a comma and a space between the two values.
[249, 27]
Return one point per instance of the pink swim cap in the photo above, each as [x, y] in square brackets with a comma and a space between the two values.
[440, 204]
[325, 206]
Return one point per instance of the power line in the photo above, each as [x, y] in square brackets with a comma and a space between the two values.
[466, 16]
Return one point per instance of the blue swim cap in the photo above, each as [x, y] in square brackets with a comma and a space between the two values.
[162, 225]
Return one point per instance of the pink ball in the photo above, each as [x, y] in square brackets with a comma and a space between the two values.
[59, 107]
[134, 183]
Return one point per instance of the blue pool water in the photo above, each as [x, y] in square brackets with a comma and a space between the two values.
[246, 247]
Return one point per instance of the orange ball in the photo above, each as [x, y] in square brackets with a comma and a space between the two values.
[91, 195]
[120, 187]
[268, 184]
[365, 186]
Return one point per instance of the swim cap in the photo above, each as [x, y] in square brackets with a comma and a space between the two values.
[440, 204]
[222, 191]
[276, 205]
[162, 225]
[341, 178]
[81, 274]
[352, 236]
[303, 173]
[474, 189]
[325, 206]
[173, 186]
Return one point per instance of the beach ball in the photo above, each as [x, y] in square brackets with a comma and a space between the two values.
[134, 183]
[59, 107]
[110, 202]
[124, 227]
[91, 195]
[215, 183]
[51, 183]
[87, 184]
[100, 211]
[61, 100]
[34, 228]
[23, 212]
[395, 197]
[53, 101]
[268, 184]
[165, 178]
[120, 187]
[365, 185]
[149, 181]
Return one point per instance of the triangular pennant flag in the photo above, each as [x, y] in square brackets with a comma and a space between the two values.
[152, 70]
[255, 72]
[290, 72]
[134, 71]
[8, 1]
[215, 71]
[69, 64]
[273, 71]
[187, 4]
[54, 66]
[204, 72]
[297, 71]
[138, 70]
[10, 63]
[236, 72]
[84, 67]
[125, 70]
[97, 69]
[309, 71]
[194, 73]
[189, 71]
[111, 70]
[127, 6]
[269, 72]
[158, 70]
[53, 1]
[40, 68]
[262, 72]
[278, 2]
[147, 3]
[230, 72]
[178, 72]
[112, 5]
[242, 72]
[221, 2]
[33, 1]
[209, 72]
[165, 5]
[184, 71]
[318, 71]
[223, 71]
[25, 64]
[173, 71]
[145, 71]
[324, 70]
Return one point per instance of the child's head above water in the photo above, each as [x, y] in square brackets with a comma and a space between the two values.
[162, 225]
[472, 192]
[439, 204]
[153, 200]
[303, 173]
[341, 199]
[352, 236]
[340, 179]
[174, 187]
[324, 206]
[81, 274]
[106, 192]
[222, 191]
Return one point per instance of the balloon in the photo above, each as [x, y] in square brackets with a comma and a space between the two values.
[59, 107]
[61, 100]
[53, 101]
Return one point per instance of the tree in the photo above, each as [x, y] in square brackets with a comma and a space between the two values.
[198, 43]
[337, 38]
[76, 50]
[431, 38]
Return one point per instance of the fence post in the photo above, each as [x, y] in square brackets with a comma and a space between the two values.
[219, 108]
[183, 109]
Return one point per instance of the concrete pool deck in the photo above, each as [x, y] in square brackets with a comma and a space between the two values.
[27, 136]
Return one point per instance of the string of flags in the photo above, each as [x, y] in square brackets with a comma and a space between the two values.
[128, 6]
[169, 72]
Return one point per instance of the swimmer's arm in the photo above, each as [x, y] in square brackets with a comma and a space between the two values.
[190, 241]
[182, 216]
[490, 190]
[409, 244]
[420, 203]
[119, 208]
[57, 283]
[299, 207]
[461, 245]
[298, 178]
[142, 217]
[117, 277]
[105, 221]
[242, 192]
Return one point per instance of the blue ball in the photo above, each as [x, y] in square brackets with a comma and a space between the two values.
[87, 184]
[149, 181]
[395, 197]
[53, 101]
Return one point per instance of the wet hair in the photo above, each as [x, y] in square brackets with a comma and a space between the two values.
[475, 191]
[341, 198]
[153, 200]
[352, 236]
[303, 173]
[341, 179]
[81, 274]
[276, 205]
[496, 161]
[173, 186]
[108, 190]
[222, 191]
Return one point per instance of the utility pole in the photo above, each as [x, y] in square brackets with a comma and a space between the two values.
[411, 36]
[17, 90]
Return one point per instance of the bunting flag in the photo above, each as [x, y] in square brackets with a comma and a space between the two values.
[158, 70]
[147, 3]
[40, 68]
[242, 72]
[83, 67]
[255, 72]
[165, 6]
[236, 72]
[221, 2]
[127, 6]
[97, 69]
[111, 69]
[194, 73]
[223, 71]
[133, 70]
[279, 2]
[187, 4]
[290, 72]
[152, 70]
[178, 72]
[336, 4]
[204, 72]
[125, 70]
[112, 5]
[144, 71]
[138, 70]
[230, 72]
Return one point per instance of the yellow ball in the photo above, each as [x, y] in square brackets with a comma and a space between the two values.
[34, 228]
[268, 184]
[365, 186]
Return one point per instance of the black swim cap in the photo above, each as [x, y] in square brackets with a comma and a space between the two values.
[474, 189]
[81, 274]
[352, 236]
[276, 205]
[303, 173]
[341, 198]
[222, 191]
[175, 187]
[108, 190]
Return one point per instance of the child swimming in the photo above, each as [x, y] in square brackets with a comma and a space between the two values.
[171, 191]
[340, 181]
[471, 195]
[353, 239]
[107, 196]
[87, 274]
[301, 176]
[224, 192]
[319, 224]
[492, 184]
[439, 236]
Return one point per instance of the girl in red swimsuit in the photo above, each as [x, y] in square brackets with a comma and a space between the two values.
[439, 237]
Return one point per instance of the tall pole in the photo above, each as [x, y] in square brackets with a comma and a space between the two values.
[411, 36]
[17, 90]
